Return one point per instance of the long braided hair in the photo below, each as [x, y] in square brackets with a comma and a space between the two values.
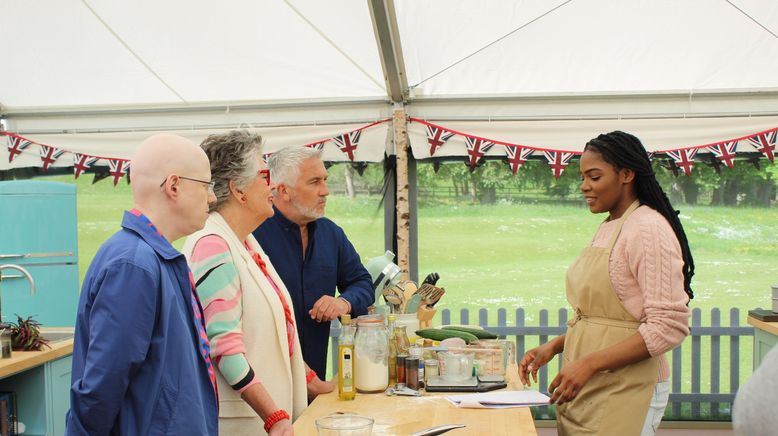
[625, 151]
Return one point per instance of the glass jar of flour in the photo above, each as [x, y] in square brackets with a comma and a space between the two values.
[371, 348]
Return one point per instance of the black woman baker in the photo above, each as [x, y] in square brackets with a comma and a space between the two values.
[630, 289]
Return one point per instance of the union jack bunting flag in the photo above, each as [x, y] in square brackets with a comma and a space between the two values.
[347, 142]
[118, 168]
[558, 161]
[476, 148]
[436, 137]
[684, 159]
[49, 155]
[725, 151]
[317, 145]
[517, 156]
[15, 147]
[82, 162]
[765, 143]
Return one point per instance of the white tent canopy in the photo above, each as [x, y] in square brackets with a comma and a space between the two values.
[96, 76]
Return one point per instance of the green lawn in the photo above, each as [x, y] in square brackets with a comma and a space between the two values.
[511, 255]
[515, 255]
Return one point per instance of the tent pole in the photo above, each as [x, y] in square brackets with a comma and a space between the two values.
[390, 203]
[387, 35]
[403, 209]
[413, 252]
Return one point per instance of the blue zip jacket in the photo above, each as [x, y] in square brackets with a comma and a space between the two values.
[137, 362]
[330, 261]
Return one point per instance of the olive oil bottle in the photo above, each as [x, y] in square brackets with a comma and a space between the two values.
[346, 388]
[392, 350]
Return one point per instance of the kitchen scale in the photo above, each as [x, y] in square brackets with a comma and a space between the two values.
[473, 384]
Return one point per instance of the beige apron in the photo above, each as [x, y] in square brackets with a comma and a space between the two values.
[612, 402]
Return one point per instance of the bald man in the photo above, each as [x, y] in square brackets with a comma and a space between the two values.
[141, 360]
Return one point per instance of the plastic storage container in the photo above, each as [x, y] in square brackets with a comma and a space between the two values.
[489, 361]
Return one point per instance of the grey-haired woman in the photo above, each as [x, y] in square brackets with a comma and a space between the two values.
[249, 321]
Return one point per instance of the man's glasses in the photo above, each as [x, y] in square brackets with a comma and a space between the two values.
[210, 184]
[265, 174]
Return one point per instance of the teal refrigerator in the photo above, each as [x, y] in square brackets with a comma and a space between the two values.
[38, 232]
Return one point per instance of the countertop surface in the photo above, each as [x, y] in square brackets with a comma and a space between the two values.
[24, 360]
[399, 415]
[769, 327]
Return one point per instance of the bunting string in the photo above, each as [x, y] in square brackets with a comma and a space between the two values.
[475, 149]
[118, 168]
[516, 155]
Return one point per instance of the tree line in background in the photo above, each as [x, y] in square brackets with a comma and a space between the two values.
[751, 182]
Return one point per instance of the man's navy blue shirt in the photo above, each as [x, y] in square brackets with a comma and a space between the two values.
[330, 261]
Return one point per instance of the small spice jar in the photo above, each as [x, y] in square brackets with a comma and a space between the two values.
[5, 341]
[412, 373]
[430, 369]
[401, 379]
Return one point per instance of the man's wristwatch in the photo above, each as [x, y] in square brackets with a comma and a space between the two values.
[347, 304]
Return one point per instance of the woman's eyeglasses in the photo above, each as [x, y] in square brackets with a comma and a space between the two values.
[265, 174]
[210, 184]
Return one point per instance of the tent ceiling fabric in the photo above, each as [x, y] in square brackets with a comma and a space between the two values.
[63, 53]
[588, 46]
[101, 52]
[119, 69]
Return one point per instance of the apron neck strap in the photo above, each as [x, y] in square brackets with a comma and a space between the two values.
[620, 223]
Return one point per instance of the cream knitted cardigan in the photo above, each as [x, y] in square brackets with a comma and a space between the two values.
[264, 329]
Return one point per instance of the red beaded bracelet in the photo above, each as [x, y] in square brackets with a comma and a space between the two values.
[273, 418]
[310, 376]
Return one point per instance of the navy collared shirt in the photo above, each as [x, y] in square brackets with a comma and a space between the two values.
[330, 261]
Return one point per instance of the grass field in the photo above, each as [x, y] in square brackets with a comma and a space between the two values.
[515, 255]
[510, 255]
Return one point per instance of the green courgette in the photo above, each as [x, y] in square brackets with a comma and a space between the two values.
[440, 334]
[479, 333]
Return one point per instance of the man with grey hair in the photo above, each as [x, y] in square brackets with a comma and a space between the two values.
[312, 254]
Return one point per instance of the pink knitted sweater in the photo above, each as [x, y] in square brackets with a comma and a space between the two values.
[646, 272]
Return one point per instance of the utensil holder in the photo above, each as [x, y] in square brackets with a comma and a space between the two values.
[425, 315]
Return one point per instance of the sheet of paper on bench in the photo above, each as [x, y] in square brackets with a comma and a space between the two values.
[499, 400]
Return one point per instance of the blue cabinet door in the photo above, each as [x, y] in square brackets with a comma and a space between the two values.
[763, 343]
[58, 393]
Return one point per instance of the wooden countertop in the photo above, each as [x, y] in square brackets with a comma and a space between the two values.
[399, 415]
[24, 360]
[769, 327]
